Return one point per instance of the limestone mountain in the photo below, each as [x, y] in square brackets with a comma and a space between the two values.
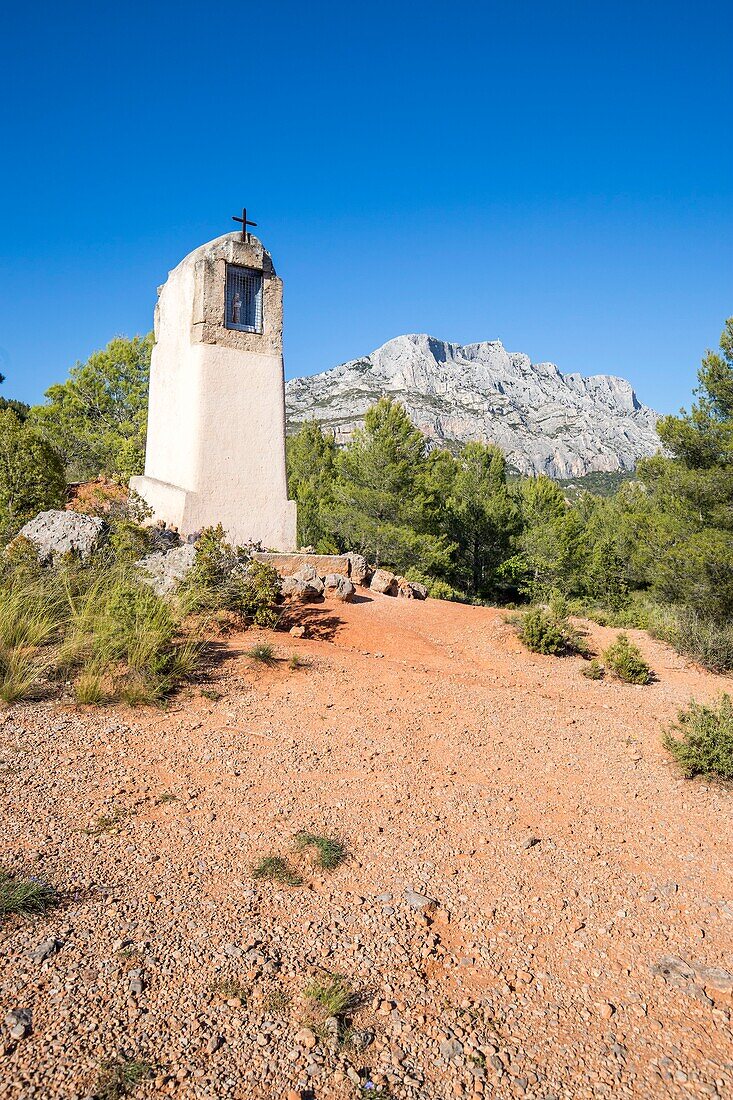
[565, 425]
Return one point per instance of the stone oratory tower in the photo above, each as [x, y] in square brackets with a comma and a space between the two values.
[216, 421]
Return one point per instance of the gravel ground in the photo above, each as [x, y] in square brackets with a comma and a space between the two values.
[534, 903]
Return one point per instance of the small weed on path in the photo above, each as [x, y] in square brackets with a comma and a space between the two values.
[333, 993]
[24, 895]
[118, 1079]
[276, 869]
[263, 652]
[330, 853]
[107, 823]
[230, 989]
[165, 797]
[276, 1002]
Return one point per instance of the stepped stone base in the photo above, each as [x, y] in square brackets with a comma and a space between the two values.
[323, 564]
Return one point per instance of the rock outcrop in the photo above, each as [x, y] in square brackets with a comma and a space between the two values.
[565, 425]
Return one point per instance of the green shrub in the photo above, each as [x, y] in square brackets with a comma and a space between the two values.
[542, 632]
[129, 541]
[593, 670]
[224, 578]
[625, 660]
[255, 593]
[441, 590]
[705, 742]
[32, 474]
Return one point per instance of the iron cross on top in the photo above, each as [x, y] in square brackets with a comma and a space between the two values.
[244, 222]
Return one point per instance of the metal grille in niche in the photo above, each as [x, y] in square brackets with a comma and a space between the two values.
[244, 299]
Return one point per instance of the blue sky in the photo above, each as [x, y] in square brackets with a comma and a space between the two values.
[555, 175]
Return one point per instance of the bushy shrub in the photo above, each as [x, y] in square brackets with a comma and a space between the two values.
[256, 591]
[593, 670]
[625, 660]
[542, 631]
[225, 578]
[705, 742]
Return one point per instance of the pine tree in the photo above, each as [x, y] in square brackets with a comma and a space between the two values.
[311, 455]
[379, 509]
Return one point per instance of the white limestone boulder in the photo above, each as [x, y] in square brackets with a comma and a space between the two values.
[165, 571]
[55, 533]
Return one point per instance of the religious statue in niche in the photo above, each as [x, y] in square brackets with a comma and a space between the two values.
[237, 309]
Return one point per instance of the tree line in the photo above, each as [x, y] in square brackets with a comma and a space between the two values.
[658, 552]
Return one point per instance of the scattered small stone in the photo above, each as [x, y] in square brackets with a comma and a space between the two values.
[306, 1038]
[19, 1022]
[45, 950]
[451, 1049]
[418, 901]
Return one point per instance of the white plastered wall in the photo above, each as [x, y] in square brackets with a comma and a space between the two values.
[216, 421]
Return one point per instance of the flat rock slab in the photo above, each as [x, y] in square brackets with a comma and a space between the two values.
[322, 564]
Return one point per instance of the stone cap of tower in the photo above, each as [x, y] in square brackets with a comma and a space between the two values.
[231, 248]
[200, 280]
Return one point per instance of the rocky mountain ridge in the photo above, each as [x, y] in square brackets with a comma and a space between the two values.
[564, 425]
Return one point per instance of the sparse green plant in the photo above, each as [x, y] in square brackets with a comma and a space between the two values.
[24, 895]
[230, 988]
[704, 745]
[107, 823]
[28, 617]
[625, 660]
[333, 993]
[130, 957]
[19, 672]
[89, 688]
[165, 797]
[277, 1001]
[276, 869]
[117, 1079]
[212, 694]
[137, 690]
[593, 670]
[263, 652]
[329, 851]
[295, 661]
